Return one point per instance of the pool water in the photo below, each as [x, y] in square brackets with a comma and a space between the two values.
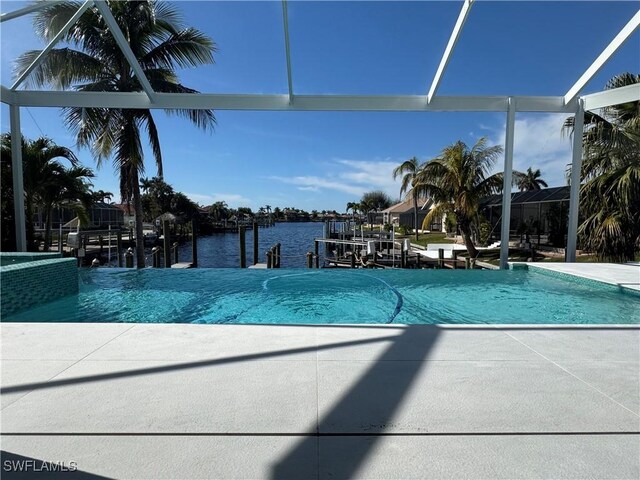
[335, 296]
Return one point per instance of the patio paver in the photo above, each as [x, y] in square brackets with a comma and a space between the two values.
[370, 401]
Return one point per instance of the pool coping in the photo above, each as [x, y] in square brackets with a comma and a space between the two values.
[596, 279]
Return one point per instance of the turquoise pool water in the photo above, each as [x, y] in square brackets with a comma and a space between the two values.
[335, 296]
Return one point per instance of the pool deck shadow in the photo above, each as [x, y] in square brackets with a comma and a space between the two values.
[344, 401]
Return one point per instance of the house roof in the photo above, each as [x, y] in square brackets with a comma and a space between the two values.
[126, 208]
[555, 194]
[407, 206]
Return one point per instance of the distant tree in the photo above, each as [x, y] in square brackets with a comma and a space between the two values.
[219, 211]
[409, 170]
[374, 201]
[353, 206]
[530, 180]
[101, 196]
[245, 211]
[183, 207]
[157, 198]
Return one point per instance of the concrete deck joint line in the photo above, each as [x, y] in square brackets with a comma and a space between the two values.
[68, 367]
[573, 375]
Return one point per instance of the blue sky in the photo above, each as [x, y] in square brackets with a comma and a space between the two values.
[322, 160]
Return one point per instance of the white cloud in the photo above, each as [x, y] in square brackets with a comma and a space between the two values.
[232, 199]
[353, 177]
[538, 143]
[312, 182]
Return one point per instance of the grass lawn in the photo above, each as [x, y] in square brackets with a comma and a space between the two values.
[426, 238]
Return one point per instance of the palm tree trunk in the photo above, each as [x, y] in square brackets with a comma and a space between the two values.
[137, 206]
[31, 231]
[465, 229]
[47, 229]
[415, 215]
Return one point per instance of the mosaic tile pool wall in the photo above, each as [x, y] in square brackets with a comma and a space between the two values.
[30, 279]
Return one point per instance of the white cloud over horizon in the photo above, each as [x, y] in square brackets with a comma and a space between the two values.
[353, 177]
[539, 143]
[233, 199]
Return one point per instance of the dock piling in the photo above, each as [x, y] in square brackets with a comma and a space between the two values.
[309, 260]
[167, 243]
[278, 255]
[255, 243]
[269, 259]
[119, 248]
[194, 243]
[441, 258]
[467, 263]
[243, 253]
[454, 256]
[128, 257]
[175, 252]
[155, 255]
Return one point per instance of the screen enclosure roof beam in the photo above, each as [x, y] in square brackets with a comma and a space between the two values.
[279, 102]
[448, 51]
[615, 96]
[287, 49]
[63, 31]
[124, 47]
[606, 54]
[27, 10]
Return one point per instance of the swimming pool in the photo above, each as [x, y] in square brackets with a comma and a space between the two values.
[335, 296]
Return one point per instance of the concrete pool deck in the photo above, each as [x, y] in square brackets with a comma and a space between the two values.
[360, 401]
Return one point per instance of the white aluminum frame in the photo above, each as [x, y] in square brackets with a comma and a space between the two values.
[570, 103]
[506, 185]
[448, 51]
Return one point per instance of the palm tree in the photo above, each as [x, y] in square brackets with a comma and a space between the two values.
[93, 62]
[610, 191]
[41, 173]
[70, 188]
[219, 210]
[530, 180]
[456, 180]
[374, 201]
[409, 169]
[101, 195]
[353, 206]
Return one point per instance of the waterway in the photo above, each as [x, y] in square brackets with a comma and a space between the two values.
[222, 250]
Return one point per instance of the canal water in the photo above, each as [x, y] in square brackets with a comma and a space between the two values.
[222, 250]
